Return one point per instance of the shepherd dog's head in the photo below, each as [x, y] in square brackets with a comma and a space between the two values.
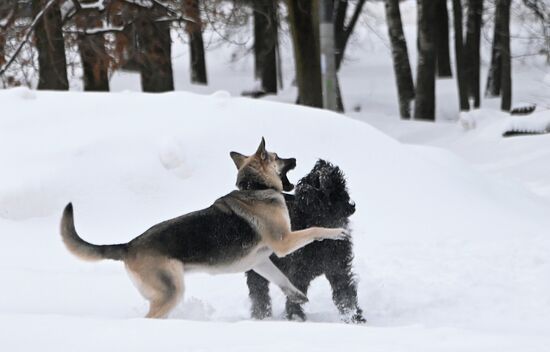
[263, 170]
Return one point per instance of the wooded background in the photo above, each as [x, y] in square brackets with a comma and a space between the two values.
[41, 38]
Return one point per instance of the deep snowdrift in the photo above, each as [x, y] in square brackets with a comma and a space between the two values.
[446, 257]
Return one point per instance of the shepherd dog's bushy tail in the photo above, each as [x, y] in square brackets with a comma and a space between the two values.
[83, 249]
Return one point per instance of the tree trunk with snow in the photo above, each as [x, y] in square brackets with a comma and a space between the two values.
[304, 25]
[50, 45]
[265, 43]
[155, 59]
[443, 57]
[401, 65]
[196, 44]
[94, 58]
[424, 107]
[472, 55]
[461, 77]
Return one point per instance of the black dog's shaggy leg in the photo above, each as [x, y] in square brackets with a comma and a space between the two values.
[344, 293]
[294, 311]
[259, 295]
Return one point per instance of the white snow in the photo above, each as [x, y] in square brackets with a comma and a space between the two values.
[448, 258]
[536, 123]
[451, 230]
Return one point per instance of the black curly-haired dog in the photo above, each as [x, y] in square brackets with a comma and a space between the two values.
[321, 199]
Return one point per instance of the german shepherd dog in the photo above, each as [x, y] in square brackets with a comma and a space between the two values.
[235, 234]
[321, 199]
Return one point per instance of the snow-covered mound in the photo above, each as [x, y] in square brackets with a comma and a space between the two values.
[447, 258]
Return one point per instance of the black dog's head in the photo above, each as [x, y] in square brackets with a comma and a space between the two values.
[322, 198]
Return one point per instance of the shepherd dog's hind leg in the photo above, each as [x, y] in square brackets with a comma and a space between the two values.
[160, 281]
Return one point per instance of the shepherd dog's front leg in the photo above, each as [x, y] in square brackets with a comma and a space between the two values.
[295, 240]
[270, 272]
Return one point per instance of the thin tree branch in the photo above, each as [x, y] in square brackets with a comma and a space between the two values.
[27, 35]
[353, 21]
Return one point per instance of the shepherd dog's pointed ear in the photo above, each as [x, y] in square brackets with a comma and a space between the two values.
[261, 152]
[238, 159]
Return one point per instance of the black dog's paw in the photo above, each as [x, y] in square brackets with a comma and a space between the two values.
[295, 314]
[358, 319]
[261, 313]
[354, 317]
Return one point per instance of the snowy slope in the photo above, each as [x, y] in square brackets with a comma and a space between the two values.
[447, 258]
[523, 160]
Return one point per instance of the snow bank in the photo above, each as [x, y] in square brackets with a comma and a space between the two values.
[443, 253]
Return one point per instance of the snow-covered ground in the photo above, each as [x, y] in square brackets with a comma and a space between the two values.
[447, 256]
[451, 228]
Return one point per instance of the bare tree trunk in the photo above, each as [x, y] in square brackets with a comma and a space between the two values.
[495, 70]
[401, 65]
[126, 49]
[342, 33]
[155, 55]
[95, 61]
[500, 79]
[196, 44]
[51, 48]
[461, 77]
[506, 66]
[265, 43]
[304, 24]
[472, 55]
[443, 57]
[424, 107]
[2, 49]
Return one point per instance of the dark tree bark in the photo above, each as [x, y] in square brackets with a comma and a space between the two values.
[343, 30]
[472, 55]
[443, 57]
[459, 57]
[127, 48]
[5, 9]
[506, 65]
[196, 44]
[424, 107]
[401, 65]
[155, 58]
[2, 50]
[265, 43]
[304, 24]
[95, 61]
[500, 79]
[495, 70]
[342, 33]
[50, 47]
